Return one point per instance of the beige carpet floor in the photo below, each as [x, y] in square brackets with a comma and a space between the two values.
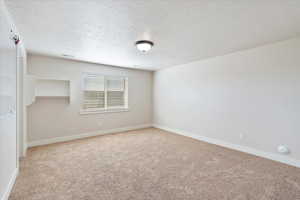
[150, 164]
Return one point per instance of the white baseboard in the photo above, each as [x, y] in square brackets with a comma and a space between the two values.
[10, 185]
[249, 150]
[84, 135]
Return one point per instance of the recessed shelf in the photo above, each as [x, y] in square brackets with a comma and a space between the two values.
[47, 88]
[52, 96]
[52, 88]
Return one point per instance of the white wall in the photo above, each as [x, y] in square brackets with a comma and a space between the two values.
[51, 118]
[253, 92]
[21, 107]
[8, 104]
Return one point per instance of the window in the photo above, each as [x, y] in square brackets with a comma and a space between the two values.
[104, 93]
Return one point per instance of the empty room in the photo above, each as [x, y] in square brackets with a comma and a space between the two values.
[149, 100]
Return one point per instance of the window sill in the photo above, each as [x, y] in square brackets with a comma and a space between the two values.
[113, 110]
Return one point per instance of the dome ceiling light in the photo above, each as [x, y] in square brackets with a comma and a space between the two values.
[144, 45]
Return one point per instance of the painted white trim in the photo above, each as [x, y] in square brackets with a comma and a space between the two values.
[102, 111]
[24, 150]
[10, 184]
[245, 149]
[84, 135]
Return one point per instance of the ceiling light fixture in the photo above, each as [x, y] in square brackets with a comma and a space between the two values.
[144, 45]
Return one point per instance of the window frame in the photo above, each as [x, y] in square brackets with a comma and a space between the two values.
[106, 109]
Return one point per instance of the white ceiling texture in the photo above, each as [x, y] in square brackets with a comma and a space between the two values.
[104, 31]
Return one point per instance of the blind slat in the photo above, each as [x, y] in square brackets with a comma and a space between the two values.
[115, 98]
[93, 99]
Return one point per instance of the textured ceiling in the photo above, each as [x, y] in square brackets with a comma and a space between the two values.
[104, 31]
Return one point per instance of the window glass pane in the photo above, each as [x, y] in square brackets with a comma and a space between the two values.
[94, 83]
[115, 84]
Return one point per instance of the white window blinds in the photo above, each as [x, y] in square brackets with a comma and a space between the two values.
[115, 92]
[94, 92]
[104, 92]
